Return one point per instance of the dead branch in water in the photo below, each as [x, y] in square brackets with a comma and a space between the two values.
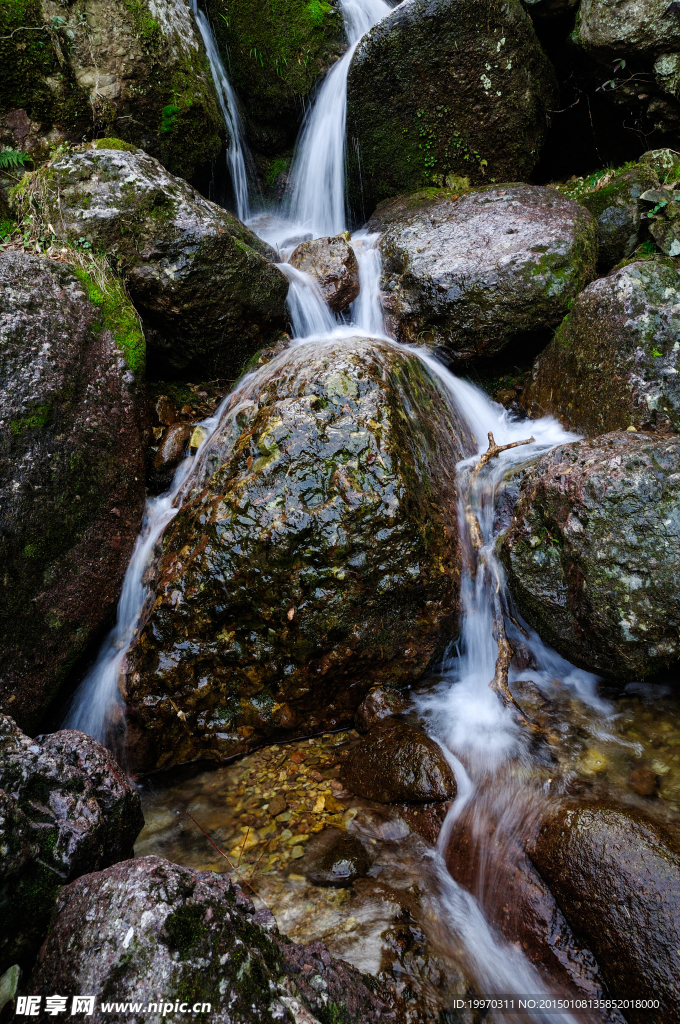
[236, 871]
[499, 683]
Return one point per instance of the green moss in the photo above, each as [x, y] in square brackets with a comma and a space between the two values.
[127, 147]
[36, 421]
[119, 317]
[186, 928]
[146, 26]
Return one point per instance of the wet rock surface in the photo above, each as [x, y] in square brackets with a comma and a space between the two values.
[193, 936]
[334, 858]
[113, 68]
[616, 875]
[469, 273]
[607, 28]
[334, 265]
[584, 561]
[621, 217]
[398, 763]
[316, 556]
[485, 117]
[613, 362]
[71, 468]
[380, 702]
[201, 280]
[66, 808]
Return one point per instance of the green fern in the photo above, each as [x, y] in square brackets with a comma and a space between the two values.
[12, 158]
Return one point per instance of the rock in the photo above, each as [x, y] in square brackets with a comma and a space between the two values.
[334, 858]
[316, 555]
[643, 781]
[65, 808]
[486, 117]
[621, 219]
[333, 263]
[470, 274]
[380, 702]
[167, 932]
[398, 763]
[616, 876]
[173, 446]
[664, 220]
[610, 29]
[200, 278]
[138, 71]
[585, 564]
[666, 163]
[613, 363]
[275, 56]
[71, 450]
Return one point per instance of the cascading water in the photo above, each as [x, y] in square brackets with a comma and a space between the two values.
[488, 748]
[238, 157]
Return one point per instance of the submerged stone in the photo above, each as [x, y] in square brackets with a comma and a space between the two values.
[398, 763]
[615, 874]
[471, 273]
[315, 556]
[334, 858]
[71, 467]
[593, 553]
[65, 808]
[201, 280]
[614, 361]
[444, 88]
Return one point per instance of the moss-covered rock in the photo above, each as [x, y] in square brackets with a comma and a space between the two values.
[444, 88]
[65, 808]
[202, 281]
[71, 467]
[471, 272]
[316, 554]
[130, 68]
[616, 876]
[275, 52]
[593, 553]
[621, 218]
[169, 933]
[614, 361]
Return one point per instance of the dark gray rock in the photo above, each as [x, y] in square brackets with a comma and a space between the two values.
[398, 763]
[443, 88]
[66, 808]
[334, 858]
[333, 263]
[614, 361]
[621, 217]
[593, 554]
[71, 467]
[469, 273]
[201, 280]
[619, 28]
[616, 876]
[162, 931]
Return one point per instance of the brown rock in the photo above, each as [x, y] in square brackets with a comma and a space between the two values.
[398, 763]
[333, 263]
[277, 805]
[616, 877]
[643, 781]
[380, 702]
[334, 858]
[172, 446]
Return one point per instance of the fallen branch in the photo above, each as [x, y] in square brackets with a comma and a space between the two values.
[223, 854]
[499, 683]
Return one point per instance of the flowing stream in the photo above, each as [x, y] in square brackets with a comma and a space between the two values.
[501, 784]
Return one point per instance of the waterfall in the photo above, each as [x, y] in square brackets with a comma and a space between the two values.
[237, 152]
[318, 171]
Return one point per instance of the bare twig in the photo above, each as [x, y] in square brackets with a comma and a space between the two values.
[245, 840]
[223, 854]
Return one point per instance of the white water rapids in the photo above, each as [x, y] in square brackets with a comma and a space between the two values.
[480, 737]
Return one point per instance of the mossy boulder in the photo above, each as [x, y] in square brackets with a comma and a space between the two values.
[593, 553]
[615, 874]
[471, 272]
[614, 361]
[276, 51]
[621, 218]
[169, 933]
[135, 68]
[315, 555]
[71, 467]
[201, 280]
[444, 88]
[66, 808]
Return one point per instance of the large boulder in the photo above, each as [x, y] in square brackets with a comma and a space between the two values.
[275, 55]
[616, 876]
[201, 280]
[168, 933]
[135, 70]
[66, 808]
[593, 553]
[469, 273]
[621, 217]
[71, 467]
[333, 262]
[316, 555]
[444, 88]
[614, 361]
